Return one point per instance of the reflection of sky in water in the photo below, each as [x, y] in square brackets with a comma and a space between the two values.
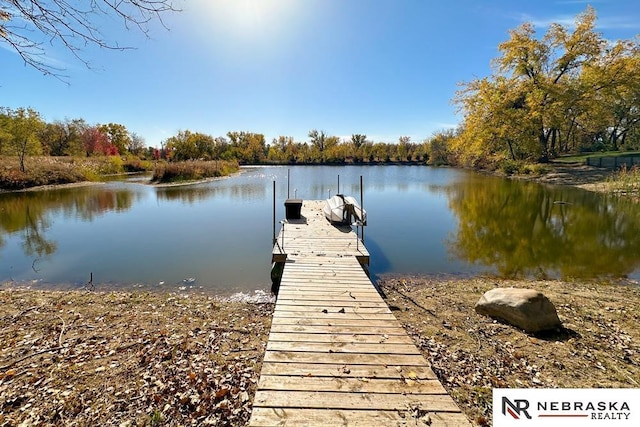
[219, 232]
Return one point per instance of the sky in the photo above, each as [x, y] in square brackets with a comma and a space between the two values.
[383, 68]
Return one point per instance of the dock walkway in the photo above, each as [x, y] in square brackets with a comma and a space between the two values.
[336, 354]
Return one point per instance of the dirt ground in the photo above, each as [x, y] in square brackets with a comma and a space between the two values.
[584, 176]
[598, 345]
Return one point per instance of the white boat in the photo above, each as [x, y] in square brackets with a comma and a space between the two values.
[343, 209]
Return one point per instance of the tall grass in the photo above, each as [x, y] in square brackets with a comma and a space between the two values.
[45, 170]
[192, 170]
[38, 171]
[626, 181]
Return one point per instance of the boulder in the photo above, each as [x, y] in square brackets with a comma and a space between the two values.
[527, 309]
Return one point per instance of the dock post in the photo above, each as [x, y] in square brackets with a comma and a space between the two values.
[362, 207]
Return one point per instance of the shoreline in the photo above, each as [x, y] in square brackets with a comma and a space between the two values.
[88, 183]
[576, 175]
[180, 358]
[590, 178]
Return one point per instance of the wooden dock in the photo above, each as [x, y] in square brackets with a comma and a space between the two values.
[336, 354]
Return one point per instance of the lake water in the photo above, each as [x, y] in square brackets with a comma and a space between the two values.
[217, 235]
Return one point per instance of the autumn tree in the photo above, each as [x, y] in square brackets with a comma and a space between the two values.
[248, 147]
[118, 136]
[402, 149]
[438, 147]
[357, 141]
[96, 142]
[282, 149]
[28, 26]
[187, 145]
[549, 95]
[612, 91]
[334, 150]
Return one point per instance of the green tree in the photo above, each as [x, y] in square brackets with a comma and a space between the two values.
[20, 134]
[182, 146]
[118, 136]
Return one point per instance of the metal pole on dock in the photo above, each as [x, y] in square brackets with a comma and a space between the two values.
[338, 184]
[274, 213]
[288, 181]
[361, 207]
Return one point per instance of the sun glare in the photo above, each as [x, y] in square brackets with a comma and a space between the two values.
[250, 20]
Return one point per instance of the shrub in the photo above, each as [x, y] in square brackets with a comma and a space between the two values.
[134, 164]
[535, 169]
[509, 167]
[192, 170]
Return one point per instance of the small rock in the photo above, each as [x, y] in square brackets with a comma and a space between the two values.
[527, 309]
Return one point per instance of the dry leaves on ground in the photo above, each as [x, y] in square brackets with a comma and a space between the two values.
[125, 359]
[599, 345]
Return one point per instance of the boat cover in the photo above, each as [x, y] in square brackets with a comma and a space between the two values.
[344, 210]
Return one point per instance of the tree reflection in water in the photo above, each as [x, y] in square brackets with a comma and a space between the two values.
[522, 229]
[31, 213]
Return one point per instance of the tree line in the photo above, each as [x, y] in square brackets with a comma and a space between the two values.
[568, 91]
[23, 132]
[252, 148]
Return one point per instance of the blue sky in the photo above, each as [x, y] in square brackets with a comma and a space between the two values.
[384, 68]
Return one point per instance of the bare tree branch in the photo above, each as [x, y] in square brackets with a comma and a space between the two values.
[26, 26]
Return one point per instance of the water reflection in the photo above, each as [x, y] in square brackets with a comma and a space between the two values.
[525, 229]
[421, 220]
[32, 213]
[193, 194]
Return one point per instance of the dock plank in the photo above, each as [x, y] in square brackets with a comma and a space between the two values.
[339, 338]
[396, 372]
[335, 417]
[343, 347]
[359, 384]
[353, 400]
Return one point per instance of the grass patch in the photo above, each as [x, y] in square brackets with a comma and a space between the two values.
[515, 167]
[192, 170]
[582, 158]
[625, 181]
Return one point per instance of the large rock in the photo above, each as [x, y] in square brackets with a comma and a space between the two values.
[525, 308]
